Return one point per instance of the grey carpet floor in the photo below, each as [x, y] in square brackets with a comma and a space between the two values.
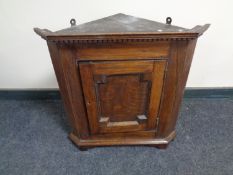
[33, 140]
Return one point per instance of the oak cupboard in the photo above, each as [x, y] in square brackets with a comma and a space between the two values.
[122, 78]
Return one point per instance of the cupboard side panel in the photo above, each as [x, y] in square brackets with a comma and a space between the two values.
[177, 72]
[70, 88]
[55, 58]
[185, 62]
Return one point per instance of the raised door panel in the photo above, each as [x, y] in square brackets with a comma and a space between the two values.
[122, 96]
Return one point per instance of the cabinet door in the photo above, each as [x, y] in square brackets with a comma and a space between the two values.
[122, 96]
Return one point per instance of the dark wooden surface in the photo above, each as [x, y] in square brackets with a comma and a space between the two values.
[122, 95]
[119, 23]
[118, 28]
[122, 91]
[130, 51]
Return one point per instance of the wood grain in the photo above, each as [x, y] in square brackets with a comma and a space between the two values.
[124, 51]
[156, 91]
[117, 92]
[103, 141]
[122, 87]
[70, 87]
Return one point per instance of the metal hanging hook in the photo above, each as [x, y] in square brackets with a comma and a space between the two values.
[168, 20]
[73, 22]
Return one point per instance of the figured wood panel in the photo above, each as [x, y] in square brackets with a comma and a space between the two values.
[123, 51]
[122, 67]
[122, 96]
[128, 127]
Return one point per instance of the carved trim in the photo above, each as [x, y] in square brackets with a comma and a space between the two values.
[104, 41]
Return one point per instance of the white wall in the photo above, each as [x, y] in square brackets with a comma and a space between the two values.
[24, 57]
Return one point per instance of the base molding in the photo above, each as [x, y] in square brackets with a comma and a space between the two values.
[88, 143]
